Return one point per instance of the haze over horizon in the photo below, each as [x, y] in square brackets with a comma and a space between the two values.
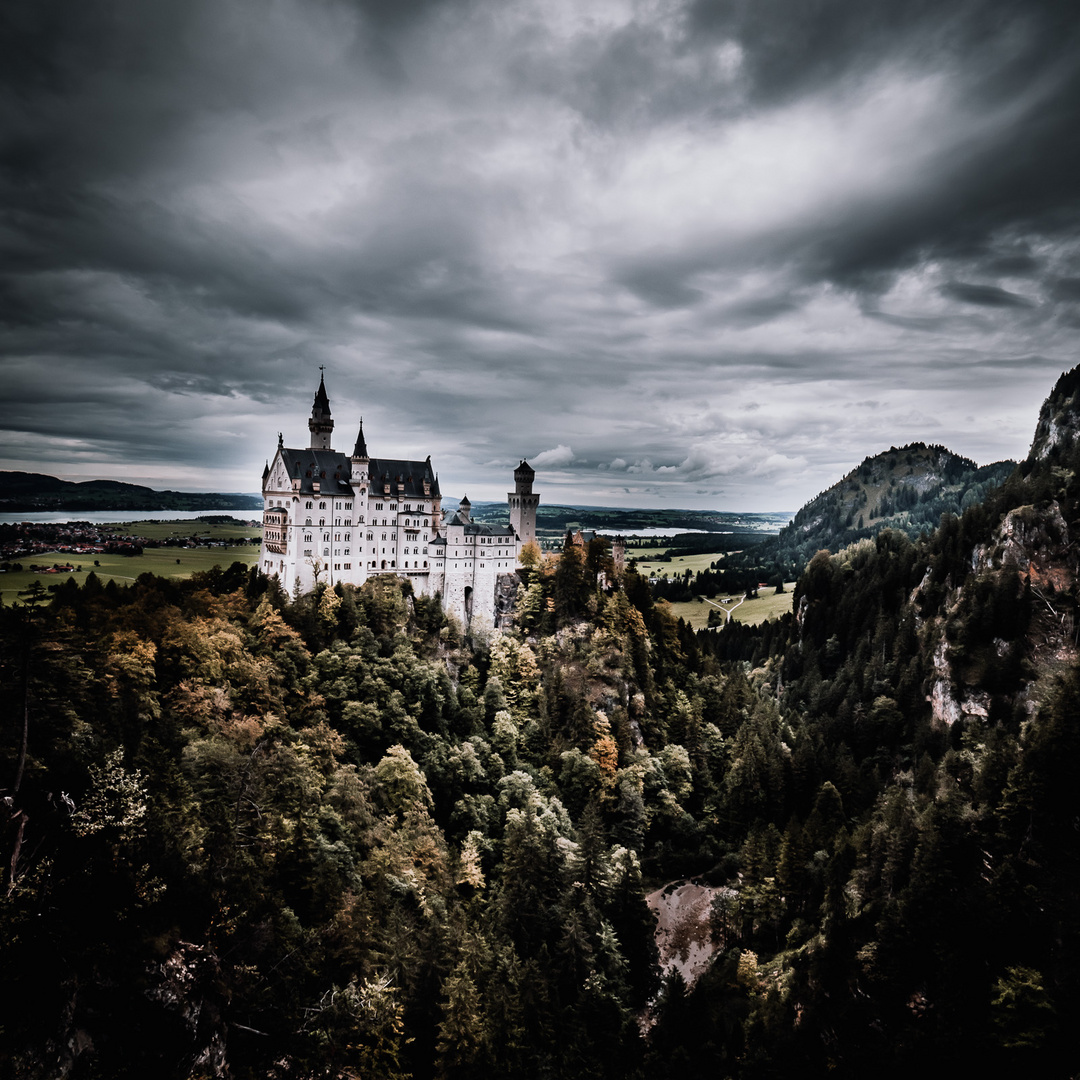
[678, 253]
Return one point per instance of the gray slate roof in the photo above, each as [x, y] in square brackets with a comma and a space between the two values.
[333, 470]
[473, 528]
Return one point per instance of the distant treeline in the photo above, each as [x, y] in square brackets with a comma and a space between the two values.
[27, 492]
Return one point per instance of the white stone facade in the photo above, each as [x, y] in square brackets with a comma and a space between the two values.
[330, 517]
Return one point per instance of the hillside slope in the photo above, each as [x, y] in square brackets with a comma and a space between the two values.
[23, 492]
[907, 489]
[930, 688]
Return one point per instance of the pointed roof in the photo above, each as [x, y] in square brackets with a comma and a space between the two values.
[322, 402]
[360, 449]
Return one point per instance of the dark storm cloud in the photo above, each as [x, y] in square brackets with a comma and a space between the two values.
[1016, 60]
[1065, 288]
[987, 295]
[596, 231]
[656, 283]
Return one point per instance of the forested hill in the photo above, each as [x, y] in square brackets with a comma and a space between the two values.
[26, 492]
[907, 489]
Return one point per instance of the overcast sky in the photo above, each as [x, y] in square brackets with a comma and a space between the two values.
[700, 254]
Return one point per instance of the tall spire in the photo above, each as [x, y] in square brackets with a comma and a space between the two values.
[360, 449]
[321, 400]
[321, 424]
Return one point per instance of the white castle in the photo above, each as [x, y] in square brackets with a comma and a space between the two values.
[330, 517]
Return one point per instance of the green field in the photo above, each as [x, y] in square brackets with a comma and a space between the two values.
[767, 606]
[123, 569]
[165, 530]
[676, 568]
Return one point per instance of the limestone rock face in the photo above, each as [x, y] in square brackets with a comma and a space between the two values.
[1057, 433]
[506, 586]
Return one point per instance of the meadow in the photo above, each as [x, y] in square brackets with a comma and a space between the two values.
[649, 566]
[767, 606]
[169, 562]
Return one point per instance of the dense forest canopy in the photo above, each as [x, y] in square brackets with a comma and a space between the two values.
[336, 836]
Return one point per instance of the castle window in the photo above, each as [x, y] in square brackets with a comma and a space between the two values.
[307, 551]
[307, 538]
[307, 505]
[348, 566]
[348, 506]
[307, 521]
[378, 506]
[322, 521]
[322, 506]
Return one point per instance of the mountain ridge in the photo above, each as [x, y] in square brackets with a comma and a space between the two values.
[25, 491]
[907, 488]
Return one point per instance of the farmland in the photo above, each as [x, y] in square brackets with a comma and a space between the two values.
[767, 606]
[225, 540]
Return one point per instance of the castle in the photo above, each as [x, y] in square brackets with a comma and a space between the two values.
[331, 517]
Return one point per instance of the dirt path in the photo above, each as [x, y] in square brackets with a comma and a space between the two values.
[726, 610]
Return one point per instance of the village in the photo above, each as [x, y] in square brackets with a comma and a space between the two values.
[24, 540]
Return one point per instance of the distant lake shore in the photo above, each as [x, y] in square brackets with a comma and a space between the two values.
[121, 517]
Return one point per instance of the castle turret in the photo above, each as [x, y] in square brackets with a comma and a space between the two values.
[360, 449]
[523, 504]
[321, 424]
[464, 510]
[360, 462]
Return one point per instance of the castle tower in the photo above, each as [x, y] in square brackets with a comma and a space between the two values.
[321, 424]
[523, 504]
[360, 463]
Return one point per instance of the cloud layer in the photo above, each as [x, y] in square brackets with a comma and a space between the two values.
[689, 253]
